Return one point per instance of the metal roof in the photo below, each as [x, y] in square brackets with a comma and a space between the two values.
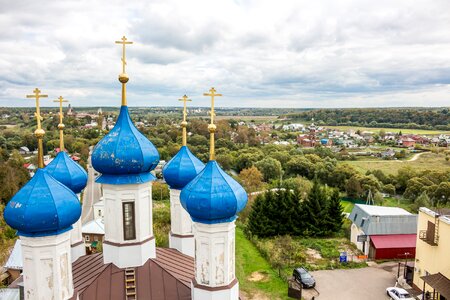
[438, 282]
[213, 196]
[94, 227]
[383, 220]
[394, 241]
[15, 258]
[124, 155]
[42, 207]
[168, 276]
[182, 168]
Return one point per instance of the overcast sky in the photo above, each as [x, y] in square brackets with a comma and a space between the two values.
[257, 53]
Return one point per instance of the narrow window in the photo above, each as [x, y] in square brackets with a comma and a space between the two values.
[362, 222]
[129, 229]
[354, 218]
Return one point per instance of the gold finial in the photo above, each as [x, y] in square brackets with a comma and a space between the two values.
[39, 132]
[184, 123]
[61, 124]
[212, 128]
[123, 77]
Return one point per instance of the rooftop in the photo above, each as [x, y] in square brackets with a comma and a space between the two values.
[373, 210]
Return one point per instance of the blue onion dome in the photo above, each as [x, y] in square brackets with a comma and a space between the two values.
[42, 207]
[213, 196]
[182, 168]
[124, 155]
[68, 172]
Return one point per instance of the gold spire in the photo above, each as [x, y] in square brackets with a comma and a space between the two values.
[61, 125]
[39, 132]
[123, 77]
[212, 128]
[184, 123]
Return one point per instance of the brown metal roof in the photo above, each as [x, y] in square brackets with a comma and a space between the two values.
[438, 282]
[179, 265]
[166, 277]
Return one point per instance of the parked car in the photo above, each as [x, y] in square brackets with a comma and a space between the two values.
[302, 276]
[398, 294]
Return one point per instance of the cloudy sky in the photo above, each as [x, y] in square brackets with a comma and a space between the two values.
[258, 53]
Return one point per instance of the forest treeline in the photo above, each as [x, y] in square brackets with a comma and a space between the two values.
[410, 118]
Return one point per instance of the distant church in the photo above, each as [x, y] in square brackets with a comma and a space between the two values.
[204, 202]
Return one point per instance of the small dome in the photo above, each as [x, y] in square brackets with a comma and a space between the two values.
[182, 168]
[213, 196]
[124, 155]
[68, 172]
[42, 207]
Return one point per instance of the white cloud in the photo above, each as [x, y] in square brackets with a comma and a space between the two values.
[256, 52]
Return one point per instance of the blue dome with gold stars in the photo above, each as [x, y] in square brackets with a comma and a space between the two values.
[42, 207]
[213, 196]
[124, 155]
[68, 172]
[182, 168]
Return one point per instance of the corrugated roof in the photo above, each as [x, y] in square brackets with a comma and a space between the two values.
[394, 241]
[438, 282]
[381, 220]
[179, 265]
[15, 258]
[166, 277]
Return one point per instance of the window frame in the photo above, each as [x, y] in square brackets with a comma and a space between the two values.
[126, 237]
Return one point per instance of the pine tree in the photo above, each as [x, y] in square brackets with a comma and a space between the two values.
[335, 211]
[315, 209]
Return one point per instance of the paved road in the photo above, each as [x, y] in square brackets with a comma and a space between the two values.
[91, 195]
[368, 283]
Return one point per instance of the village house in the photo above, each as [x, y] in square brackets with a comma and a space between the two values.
[383, 232]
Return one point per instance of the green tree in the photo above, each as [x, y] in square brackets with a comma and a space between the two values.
[318, 221]
[251, 179]
[270, 168]
[422, 201]
[335, 211]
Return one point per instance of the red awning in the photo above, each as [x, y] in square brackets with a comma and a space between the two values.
[394, 241]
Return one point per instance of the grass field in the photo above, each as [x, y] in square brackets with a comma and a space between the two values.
[403, 130]
[427, 161]
[347, 206]
[257, 280]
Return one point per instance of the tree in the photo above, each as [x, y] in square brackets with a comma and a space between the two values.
[160, 191]
[378, 198]
[270, 168]
[335, 211]
[422, 201]
[251, 179]
[353, 187]
[318, 221]
[300, 165]
[389, 189]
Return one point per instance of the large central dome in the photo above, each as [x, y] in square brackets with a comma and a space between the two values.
[124, 155]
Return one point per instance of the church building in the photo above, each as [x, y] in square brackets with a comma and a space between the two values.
[205, 201]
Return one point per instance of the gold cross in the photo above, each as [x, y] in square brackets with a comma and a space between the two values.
[123, 42]
[212, 93]
[61, 100]
[211, 127]
[184, 99]
[184, 123]
[39, 132]
[37, 95]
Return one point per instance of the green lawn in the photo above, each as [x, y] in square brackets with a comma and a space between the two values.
[347, 206]
[251, 266]
[427, 161]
